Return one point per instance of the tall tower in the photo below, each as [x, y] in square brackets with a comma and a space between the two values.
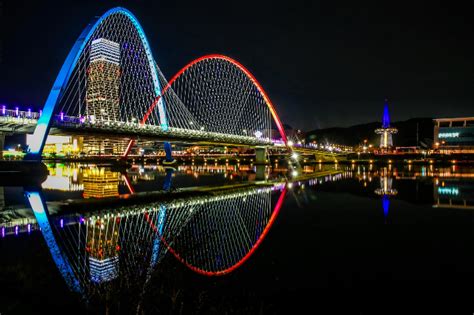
[386, 131]
[103, 81]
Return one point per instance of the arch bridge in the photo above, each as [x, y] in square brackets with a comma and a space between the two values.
[110, 84]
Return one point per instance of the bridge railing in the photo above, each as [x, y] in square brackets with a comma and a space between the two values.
[16, 115]
[154, 130]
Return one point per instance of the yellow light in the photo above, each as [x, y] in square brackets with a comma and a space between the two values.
[454, 161]
[389, 161]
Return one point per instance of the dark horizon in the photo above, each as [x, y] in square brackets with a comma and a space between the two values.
[323, 65]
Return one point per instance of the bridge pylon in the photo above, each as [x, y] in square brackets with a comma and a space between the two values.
[260, 155]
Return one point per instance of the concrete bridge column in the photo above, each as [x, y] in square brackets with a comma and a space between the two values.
[2, 198]
[169, 176]
[169, 160]
[260, 155]
[260, 172]
[2, 143]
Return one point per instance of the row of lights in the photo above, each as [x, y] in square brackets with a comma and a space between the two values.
[29, 227]
[17, 111]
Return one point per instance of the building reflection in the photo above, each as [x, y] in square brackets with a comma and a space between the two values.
[102, 246]
[120, 246]
[454, 192]
[386, 190]
[97, 181]
[100, 182]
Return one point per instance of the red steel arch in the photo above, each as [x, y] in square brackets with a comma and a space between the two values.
[257, 84]
[238, 65]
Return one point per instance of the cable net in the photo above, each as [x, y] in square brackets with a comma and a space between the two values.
[122, 246]
[116, 84]
[114, 80]
[217, 236]
[215, 94]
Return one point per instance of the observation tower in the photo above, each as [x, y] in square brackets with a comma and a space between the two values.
[386, 131]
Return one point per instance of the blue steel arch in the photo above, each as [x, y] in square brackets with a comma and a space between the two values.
[44, 123]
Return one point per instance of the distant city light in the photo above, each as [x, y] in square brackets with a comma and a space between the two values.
[448, 191]
[449, 135]
[294, 156]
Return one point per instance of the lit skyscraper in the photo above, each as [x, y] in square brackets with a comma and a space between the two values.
[103, 81]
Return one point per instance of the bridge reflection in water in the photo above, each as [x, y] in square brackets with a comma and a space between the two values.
[212, 232]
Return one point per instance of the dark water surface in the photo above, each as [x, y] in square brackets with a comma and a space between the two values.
[365, 240]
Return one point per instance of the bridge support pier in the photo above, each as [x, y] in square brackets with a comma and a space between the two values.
[169, 176]
[2, 143]
[260, 155]
[260, 172]
[169, 160]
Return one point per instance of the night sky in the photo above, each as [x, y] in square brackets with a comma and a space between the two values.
[323, 64]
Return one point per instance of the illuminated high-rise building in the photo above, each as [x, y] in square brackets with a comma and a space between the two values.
[386, 131]
[103, 81]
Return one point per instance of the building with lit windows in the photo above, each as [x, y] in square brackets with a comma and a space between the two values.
[454, 135]
[60, 145]
[103, 82]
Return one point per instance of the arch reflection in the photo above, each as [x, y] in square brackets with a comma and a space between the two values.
[212, 231]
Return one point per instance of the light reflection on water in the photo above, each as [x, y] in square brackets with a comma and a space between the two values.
[98, 247]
